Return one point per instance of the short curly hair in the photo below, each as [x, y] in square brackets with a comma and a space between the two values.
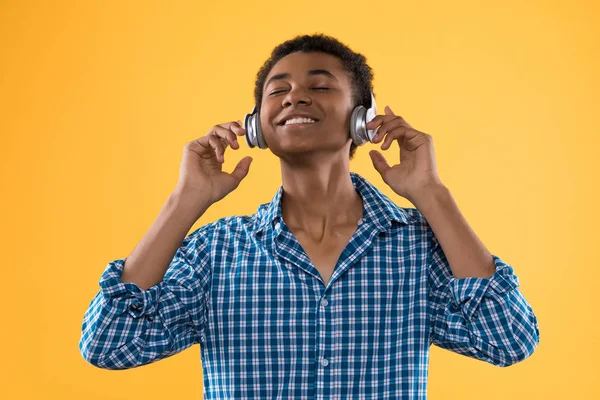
[354, 63]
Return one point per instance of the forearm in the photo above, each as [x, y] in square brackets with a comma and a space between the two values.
[148, 262]
[466, 254]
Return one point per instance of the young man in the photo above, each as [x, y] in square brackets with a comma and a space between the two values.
[329, 291]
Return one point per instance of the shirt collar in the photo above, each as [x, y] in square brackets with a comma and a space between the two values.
[378, 209]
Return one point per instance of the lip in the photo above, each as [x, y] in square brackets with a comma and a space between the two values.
[296, 115]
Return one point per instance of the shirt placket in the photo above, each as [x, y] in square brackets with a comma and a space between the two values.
[324, 346]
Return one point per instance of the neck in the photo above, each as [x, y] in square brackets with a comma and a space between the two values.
[319, 198]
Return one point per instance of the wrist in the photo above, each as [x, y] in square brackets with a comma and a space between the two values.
[188, 203]
[429, 195]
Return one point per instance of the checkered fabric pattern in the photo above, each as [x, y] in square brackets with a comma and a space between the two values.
[268, 328]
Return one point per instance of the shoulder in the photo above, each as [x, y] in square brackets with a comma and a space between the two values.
[225, 225]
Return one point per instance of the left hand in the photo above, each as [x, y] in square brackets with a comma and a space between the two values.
[417, 171]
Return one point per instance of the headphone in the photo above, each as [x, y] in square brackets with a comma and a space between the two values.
[359, 133]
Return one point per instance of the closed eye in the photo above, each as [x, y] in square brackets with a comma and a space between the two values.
[281, 91]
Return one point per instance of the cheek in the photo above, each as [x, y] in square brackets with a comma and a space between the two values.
[264, 124]
[339, 122]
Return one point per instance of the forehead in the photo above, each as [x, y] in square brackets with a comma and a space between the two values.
[298, 64]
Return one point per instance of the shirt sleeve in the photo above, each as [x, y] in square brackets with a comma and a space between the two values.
[484, 318]
[126, 326]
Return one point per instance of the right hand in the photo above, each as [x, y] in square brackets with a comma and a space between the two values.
[201, 171]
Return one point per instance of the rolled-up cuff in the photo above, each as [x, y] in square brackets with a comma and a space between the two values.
[467, 293]
[127, 295]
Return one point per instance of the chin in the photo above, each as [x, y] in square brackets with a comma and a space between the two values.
[295, 152]
[292, 151]
[295, 142]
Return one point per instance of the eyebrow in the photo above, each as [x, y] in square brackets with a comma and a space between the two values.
[312, 72]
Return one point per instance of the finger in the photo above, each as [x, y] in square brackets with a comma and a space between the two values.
[379, 162]
[228, 134]
[378, 120]
[388, 127]
[388, 110]
[217, 145]
[397, 116]
[242, 168]
[228, 125]
[238, 128]
[224, 142]
[241, 124]
[402, 134]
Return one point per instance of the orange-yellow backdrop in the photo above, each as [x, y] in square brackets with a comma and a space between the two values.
[97, 100]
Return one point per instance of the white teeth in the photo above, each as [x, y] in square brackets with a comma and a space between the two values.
[300, 121]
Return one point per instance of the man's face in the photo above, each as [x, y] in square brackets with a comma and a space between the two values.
[314, 85]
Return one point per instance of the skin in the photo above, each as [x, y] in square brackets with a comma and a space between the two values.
[319, 203]
[319, 198]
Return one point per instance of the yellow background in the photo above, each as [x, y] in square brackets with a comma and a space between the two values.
[97, 100]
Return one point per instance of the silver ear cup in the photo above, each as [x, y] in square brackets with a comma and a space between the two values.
[262, 143]
[254, 136]
[358, 128]
[250, 131]
[361, 116]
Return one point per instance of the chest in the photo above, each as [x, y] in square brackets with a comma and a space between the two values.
[325, 254]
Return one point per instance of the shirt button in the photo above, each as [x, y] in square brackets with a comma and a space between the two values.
[324, 362]
[324, 302]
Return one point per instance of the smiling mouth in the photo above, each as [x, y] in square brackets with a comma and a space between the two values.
[298, 125]
[298, 121]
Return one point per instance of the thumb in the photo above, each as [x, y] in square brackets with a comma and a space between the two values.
[242, 168]
[379, 162]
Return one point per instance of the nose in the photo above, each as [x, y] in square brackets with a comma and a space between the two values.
[296, 97]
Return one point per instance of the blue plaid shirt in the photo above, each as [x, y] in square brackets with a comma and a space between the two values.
[269, 328]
